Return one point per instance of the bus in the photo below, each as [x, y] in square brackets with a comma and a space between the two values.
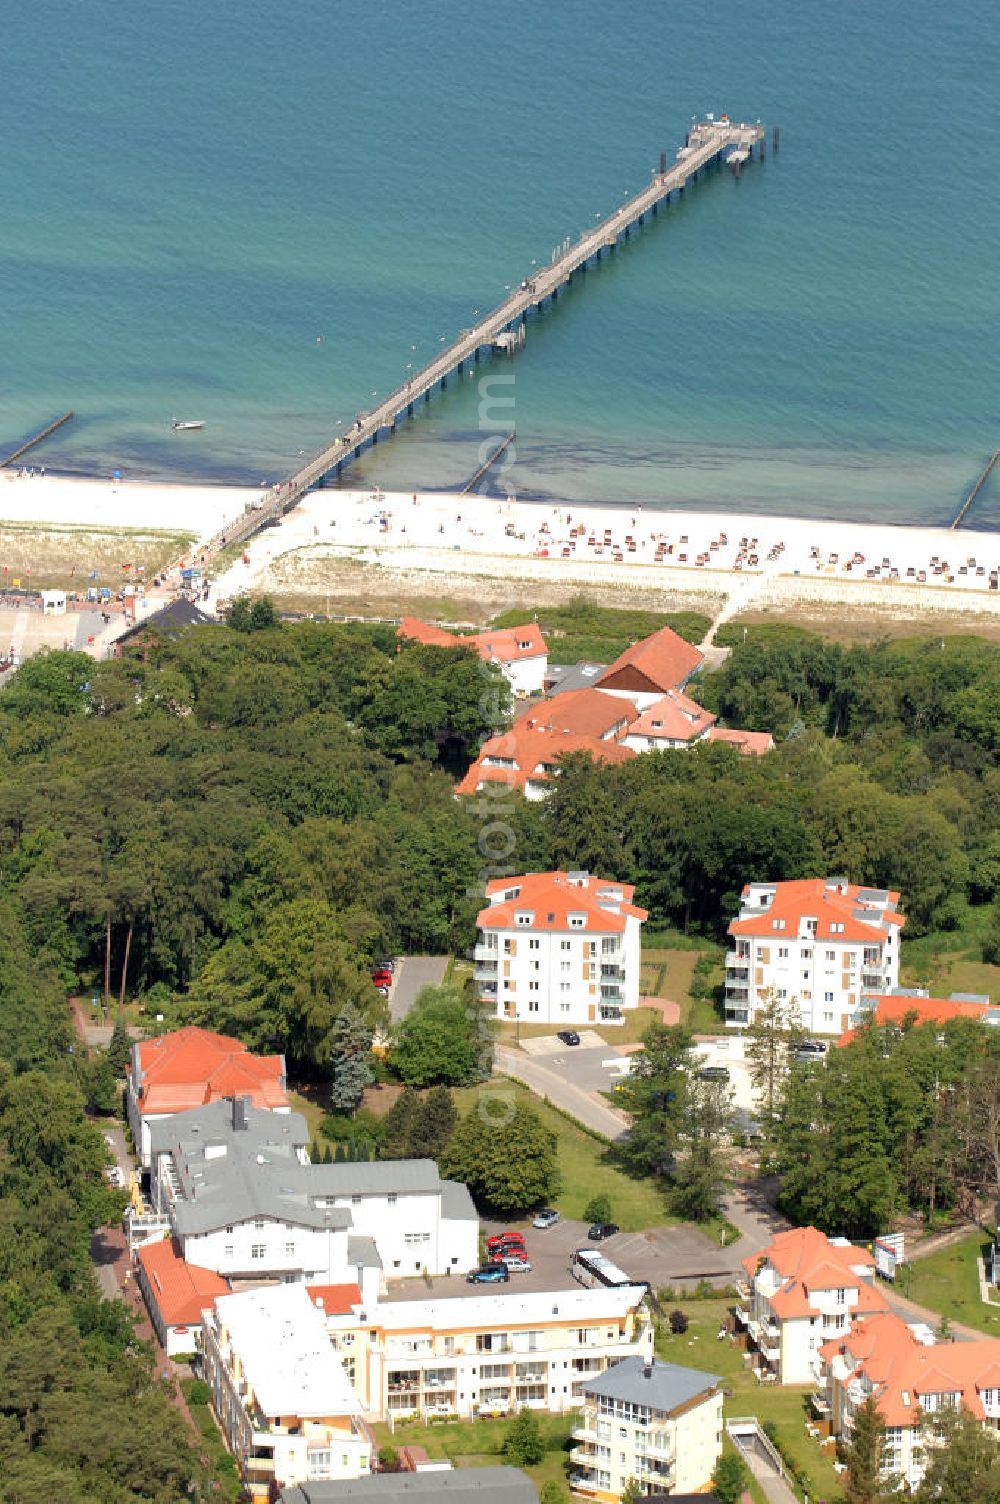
[591, 1268]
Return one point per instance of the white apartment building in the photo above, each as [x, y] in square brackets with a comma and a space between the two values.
[803, 1290]
[488, 1354]
[235, 1187]
[285, 1405]
[559, 948]
[655, 1422]
[818, 945]
[520, 653]
[913, 1378]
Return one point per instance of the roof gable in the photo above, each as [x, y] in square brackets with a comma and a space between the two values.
[664, 661]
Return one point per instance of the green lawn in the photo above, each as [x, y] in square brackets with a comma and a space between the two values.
[635, 1204]
[630, 1031]
[946, 1282]
[784, 1406]
[947, 961]
[478, 1443]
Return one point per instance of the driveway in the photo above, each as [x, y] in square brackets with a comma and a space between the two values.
[595, 1069]
[546, 1080]
[412, 973]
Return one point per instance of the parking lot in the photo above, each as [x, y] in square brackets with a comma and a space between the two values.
[663, 1256]
[590, 1067]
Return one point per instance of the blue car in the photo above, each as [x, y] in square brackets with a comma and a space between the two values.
[489, 1274]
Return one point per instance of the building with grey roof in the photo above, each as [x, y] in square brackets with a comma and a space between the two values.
[653, 1421]
[472, 1485]
[237, 1189]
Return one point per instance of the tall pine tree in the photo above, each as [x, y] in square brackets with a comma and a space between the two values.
[350, 1060]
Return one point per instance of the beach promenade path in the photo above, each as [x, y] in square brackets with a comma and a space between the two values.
[707, 143]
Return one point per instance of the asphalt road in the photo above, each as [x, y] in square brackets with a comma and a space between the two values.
[412, 973]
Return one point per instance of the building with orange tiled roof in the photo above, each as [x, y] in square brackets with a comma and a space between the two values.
[651, 667]
[519, 652]
[527, 758]
[581, 712]
[747, 743]
[673, 720]
[896, 1008]
[192, 1067]
[559, 948]
[912, 1378]
[804, 1289]
[816, 944]
[175, 1293]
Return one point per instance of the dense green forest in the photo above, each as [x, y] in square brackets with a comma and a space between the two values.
[234, 824]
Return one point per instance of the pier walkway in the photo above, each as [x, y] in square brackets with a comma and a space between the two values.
[707, 143]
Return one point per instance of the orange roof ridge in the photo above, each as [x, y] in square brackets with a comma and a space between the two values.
[552, 897]
[664, 659]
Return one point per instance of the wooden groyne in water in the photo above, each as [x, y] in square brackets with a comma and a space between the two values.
[707, 144]
[980, 483]
[36, 438]
[487, 465]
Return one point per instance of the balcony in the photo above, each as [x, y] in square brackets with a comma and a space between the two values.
[439, 1378]
[486, 965]
[526, 1375]
[484, 952]
[737, 967]
[612, 973]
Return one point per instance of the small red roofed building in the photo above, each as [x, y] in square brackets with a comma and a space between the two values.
[192, 1067]
[803, 1290]
[673, 720]
[747, 743]
[815, 944]
[519, 652]
[651, 667]
[559, 948]
[175, 1293]
[527, 758]
[913, 1378]
[905, 1006]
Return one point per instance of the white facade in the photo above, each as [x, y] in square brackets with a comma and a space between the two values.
[805, 1289]
[664, 1446]
[817, 951]
[560, 949]
[526, 676]
[488, 1354]
[280, 1392]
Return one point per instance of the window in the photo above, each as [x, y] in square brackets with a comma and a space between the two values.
[831, 955]
[229, 1250]
[565, 966]
[782, 993]
[565, 945]
[532, 986]
[577, 921]
[413, 1238]
[836, 929]
[391, 1198]
[841, 1297]
[534, 944]
[290, 1250]
[258, 1224]
[523, 919]
[355, 1200]
[807, 955]
[564, 1007]
[777, 924]
[229, 1229]
[532, 1006]
[257, 1250]
[565, 987]
[828, 997]
[782, 952]
[535, 966]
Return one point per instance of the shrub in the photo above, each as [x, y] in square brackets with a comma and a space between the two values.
[199, 1393]
[598, 1209]
[678, 1322]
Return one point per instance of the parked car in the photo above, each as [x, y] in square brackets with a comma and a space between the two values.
[516, 1263]
[602, 1230]
[387, 965]
[382, 977]
[714, 1073]
[547, 1218]
[812, 1047]
[568, 1036]
[490, 1274]
[384, 991]
[500, 1239]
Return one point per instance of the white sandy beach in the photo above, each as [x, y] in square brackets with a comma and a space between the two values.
[743, 558]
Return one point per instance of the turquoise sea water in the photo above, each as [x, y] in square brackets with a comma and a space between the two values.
[196, 191]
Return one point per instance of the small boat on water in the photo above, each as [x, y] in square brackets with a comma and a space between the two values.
[179, 423]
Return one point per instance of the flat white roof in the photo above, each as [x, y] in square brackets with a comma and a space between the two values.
[282, 1343]
[491, 1312]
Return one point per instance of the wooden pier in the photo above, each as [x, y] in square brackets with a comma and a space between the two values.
[36, 438]
[707, 144]
[980, 483]
[488, 464]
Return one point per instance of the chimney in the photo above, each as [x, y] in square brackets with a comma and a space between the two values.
[647, 1370]
[240, 1105]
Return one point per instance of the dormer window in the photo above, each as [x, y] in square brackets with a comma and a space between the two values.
[523, 918]
[577, 921]
[836, 929]
[777, 924]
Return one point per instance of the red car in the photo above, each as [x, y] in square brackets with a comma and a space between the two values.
[382, 978]
[505, 1240]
